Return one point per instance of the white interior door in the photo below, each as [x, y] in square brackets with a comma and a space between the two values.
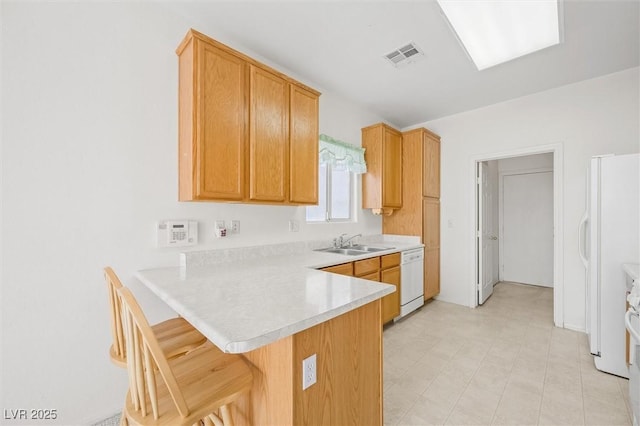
[485, 236]
[527, 228]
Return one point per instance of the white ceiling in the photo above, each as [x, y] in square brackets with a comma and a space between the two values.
[339, 45]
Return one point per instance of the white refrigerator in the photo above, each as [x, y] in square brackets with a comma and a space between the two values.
[609, 236]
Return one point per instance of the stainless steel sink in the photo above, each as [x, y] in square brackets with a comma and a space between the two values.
[347, 251]
[354, 250]
[369, 248]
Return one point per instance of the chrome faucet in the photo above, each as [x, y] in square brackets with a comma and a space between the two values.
[343, 243]
[337, 242]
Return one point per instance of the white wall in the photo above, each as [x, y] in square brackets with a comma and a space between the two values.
[588, 118]
[89, 164]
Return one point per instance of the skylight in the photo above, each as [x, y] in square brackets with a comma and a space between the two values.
[497, 31]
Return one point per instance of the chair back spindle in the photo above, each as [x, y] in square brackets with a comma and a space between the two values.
[117, 351]
[145, 358]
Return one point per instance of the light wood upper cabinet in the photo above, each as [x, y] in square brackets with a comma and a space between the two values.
[303, 152]
[431, 174]
[392, 169]
[382, 184]
[268, 136]
[247, 132]
[212, 115]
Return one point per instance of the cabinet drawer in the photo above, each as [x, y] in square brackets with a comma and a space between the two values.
[374, 276]
[390, 260]
[366, 266]
[342, 269]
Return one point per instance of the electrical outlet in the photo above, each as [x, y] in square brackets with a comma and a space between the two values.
[235, 226]
[308, 371]
[294, 225]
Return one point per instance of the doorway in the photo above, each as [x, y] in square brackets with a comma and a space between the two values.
[526, 227]
[525, 244]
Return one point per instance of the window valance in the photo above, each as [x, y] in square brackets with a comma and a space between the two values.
[342, 155]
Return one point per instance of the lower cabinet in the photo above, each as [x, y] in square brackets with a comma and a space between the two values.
[342, 269]
[432, 273]
[385, 269]
[391, 275]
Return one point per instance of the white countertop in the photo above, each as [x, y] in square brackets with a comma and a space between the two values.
[244, 304]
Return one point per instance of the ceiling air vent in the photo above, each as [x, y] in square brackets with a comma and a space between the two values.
[405, 55]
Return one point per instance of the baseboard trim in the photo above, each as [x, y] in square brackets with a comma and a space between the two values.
[575, 328]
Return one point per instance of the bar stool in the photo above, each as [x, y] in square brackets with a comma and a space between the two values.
[186, 391]
[175, 336]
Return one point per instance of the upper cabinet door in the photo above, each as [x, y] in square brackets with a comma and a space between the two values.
[392, 169]
[382, 184]
[268, 136]
[431, 175]
[236, 136]
[212, 116]
[303, 140]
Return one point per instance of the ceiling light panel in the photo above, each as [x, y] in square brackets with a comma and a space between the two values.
[493, 32]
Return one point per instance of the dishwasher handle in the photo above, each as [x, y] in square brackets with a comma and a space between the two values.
[412, 256]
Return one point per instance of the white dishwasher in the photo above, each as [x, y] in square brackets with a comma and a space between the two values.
[411, 280]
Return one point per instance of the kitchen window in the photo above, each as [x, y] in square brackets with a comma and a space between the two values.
[335, 195]
[339, 162]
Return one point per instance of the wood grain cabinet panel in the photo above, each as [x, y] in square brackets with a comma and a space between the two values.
[431, 174]
[366, 266]
[212, 97]
[431, 212]
[392, 169]
[389, 260]
[420, 212]
[391, 302]
[384, 269]
[342, 269]
[268, 136]
[391, 274]
[431, 273]
[373, 276]
[303, 174]
[382, 184]
[247, 133]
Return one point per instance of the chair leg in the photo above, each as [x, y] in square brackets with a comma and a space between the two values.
[226, 415]
[123, 416]
[123, 420]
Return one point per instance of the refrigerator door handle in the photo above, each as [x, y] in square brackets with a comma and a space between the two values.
[581, 243]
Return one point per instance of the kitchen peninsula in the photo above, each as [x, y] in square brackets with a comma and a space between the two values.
[274, 307]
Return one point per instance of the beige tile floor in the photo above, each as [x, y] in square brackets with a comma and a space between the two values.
[503, 363]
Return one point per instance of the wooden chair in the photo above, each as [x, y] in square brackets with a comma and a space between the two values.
[175, 336]
[189, 389]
